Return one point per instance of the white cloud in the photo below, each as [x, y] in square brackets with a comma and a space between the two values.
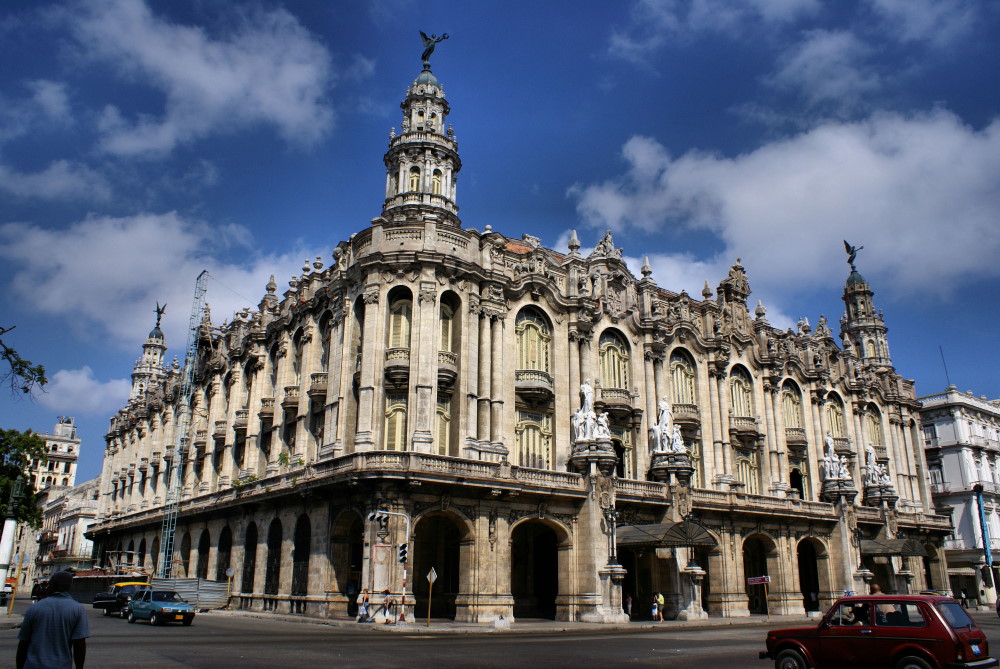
[47, 106]
[104, 275]
[52, 99]
[266, 69]
[827, 68]
[654, 23]
[937, 22]
[920, 193]
[60, 180]
[76, 391]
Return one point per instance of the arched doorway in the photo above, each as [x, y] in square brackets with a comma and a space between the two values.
[808, 575]
[436, 544]
[301, 548]
[204, 545]
[155, 554]
[347, 548]
[185, 556]
[225, 554]
[141, 557]
[534, 578]
[797, 482]
[249, 559]
[272, 568]
[756, 551]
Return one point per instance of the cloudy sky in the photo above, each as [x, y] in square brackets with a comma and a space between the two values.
[142, 141]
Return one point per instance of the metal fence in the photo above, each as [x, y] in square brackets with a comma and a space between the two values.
[201, 592]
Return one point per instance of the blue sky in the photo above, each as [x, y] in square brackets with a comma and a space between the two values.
[142, 141]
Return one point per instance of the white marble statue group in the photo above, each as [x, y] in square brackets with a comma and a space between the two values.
[586, 424]
[877, 473]
[664, 436]
[834, 468]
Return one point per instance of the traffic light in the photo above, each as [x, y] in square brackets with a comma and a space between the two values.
[403, 549]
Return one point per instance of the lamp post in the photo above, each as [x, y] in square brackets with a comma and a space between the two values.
[9, 525]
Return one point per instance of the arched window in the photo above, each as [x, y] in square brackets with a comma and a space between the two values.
[873, 428]
[249, 558]
[741, 390]
[534, 341]
[300, 556]
[870, 348]
[414, 182]
[835, 417]
[436, 182]
[185, 555]
[443, 433]
[203, 547]
[614, 361]
[297, 349]
[395, 422]
[325, 332]
[534, 439]
[141, 557]
[400, 315]
[748, 470]
[446, 318]
[682, 379]
[791, 405]
[272, 572]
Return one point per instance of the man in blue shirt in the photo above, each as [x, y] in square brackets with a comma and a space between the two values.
[54, 631]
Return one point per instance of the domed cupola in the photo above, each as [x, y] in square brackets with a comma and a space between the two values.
[150, 366]
[861, 325]
[422, 161]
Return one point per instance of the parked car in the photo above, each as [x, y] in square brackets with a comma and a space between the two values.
[874, 631]
[6, 593]
[117, 599]
[160, 606]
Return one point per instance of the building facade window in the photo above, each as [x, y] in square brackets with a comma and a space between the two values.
[443, 432]
[682, 379]
[791, 406]
[874, 434]
[395, 422]
[534, 341]
[534, 439]
[835, 417]
[741, 391]
[614, 361]
[400, 315]
[414, 180]
[436, 182]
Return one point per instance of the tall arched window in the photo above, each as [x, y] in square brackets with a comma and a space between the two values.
[297, 351]
[534, 439]
[741, 390]
[414, 181]
[446, 318]
[249, 558]
[300, 556]
[395, 422]
[835, 417]
[873, 428]
[443, 432]
[203, 547]
[614, 361]
[534, 341]
[325, 332]
[870, 348]
[682, 379]
[272, 572]
[748, 470]
[224, 555]
[436, 182]
[791, 405]
[400, 315]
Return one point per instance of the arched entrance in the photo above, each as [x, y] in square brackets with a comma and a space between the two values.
[185, 556]
[757, 549]
[272, 568]
[300, 556]
[155, 554]
[534, 578]
[436, 544]
[796, 481]
[204, 545]
[808, 575]
[249, 559]
[225, 554]
[347, 548]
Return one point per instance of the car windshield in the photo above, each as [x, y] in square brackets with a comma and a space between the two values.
[954, 614]
[166, 596]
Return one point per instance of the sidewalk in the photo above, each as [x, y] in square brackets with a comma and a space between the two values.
[530, 626]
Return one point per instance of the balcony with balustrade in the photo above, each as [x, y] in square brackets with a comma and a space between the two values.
[290, 402]
[317, 386]
[447, 369]
[397, 368]
[534, 385]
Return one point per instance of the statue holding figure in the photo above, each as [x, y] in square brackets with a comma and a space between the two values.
[831, 465]
[677, 442]
[584, 420]
[587, 392]
[843, 473]
[602, 430]
[429, 44]
[661, 434]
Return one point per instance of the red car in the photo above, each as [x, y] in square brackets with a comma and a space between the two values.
[878, 631]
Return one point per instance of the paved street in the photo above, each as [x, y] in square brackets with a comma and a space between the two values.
[232, 640]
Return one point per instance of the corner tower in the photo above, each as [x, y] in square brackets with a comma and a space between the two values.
[150, 366]
[862, 327]
[422, 162]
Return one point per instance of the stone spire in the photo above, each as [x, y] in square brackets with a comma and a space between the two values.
[861, 325]
[422, 162]
[150, 365]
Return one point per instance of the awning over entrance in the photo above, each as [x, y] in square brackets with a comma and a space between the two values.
[888, 547]
[666, 535]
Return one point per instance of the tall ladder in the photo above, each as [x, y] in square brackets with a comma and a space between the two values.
[181, 427]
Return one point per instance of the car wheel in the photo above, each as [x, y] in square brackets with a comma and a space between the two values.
[131, 617]
[790, 659]
[913, 663]
[123, 613]
[154, 619]
[188, 621]
[106, 612]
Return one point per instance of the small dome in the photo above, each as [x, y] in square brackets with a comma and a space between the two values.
[855, 279]
[426, 78]
[155, 333]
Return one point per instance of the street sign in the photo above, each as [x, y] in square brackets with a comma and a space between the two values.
[758, 580]
[432, 576]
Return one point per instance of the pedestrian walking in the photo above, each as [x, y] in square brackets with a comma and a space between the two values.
[628, 605]
[965, 598]
[656, 605]
[387, 605]
[54, 632]
[660, 601]
[364, 616]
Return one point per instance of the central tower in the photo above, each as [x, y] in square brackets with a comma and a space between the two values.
[422, 161]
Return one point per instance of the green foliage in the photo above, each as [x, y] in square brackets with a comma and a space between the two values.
[17, 450]
[283, 458]
[21, 374]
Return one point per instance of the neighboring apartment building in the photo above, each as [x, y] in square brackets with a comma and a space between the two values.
[62, 448]
[962, 441]
[62, 543]
[509, 405]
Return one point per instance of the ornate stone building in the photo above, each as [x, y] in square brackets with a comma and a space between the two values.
[62, 448]
[547, 430]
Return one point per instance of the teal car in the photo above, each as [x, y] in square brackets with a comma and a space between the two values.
[159, 607]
